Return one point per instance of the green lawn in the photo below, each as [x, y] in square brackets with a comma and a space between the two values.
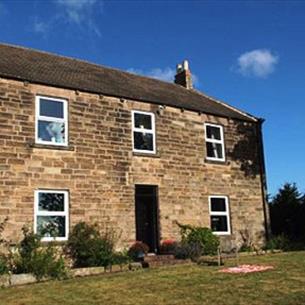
[183, 284]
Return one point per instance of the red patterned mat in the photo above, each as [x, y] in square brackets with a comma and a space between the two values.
[246, 269]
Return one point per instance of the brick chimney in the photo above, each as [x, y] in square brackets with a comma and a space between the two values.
[183, 75]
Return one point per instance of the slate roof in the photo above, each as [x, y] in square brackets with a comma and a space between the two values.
[64, 72]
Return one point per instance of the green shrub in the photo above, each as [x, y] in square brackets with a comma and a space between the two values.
[120, 258]
[202, 236]
[280, 242]
[105, 253]
[3, 264]
[88, 247]
[44, 263]
[4, 249]
[245, 248]
[248, 240]
[185, 250]
[27, 251]
[138, 250]
[297, 245]
[33, 257]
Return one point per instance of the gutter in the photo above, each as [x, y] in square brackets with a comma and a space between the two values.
[263, 178]
[243, 113]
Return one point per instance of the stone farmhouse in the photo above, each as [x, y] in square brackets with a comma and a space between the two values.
[84, 142]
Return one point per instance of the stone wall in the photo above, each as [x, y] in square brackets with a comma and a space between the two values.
[100, 170]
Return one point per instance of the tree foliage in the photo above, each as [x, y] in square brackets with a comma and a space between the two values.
[287, 212]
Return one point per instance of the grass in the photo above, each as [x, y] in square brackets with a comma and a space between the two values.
[182, 284]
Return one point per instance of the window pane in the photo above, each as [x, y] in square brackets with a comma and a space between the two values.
[142, 121]
[218, 204]
[52, 202]
[51, 108]
[219, 223]
[214, 150]
[51, 226]
[51, 131]
[213, 132]
[143, 141]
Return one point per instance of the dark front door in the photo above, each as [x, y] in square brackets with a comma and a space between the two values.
[146, 200]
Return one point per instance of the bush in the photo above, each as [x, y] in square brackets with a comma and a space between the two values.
[187, 250]
[280, 242]
[44, 263]
[249, 240]
[120, 258]
[88, 247]
[4, 243]
[138, 250]
[3, 264]
[245, 248]
[32, 257]
[4, 249]
[201, 236]
[168, 246]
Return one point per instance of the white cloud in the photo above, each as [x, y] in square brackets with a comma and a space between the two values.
[79, 13]
[167, 74]
[40, 27]
[76, 10]
[258, 63]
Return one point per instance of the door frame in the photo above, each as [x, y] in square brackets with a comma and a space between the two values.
[156, 231]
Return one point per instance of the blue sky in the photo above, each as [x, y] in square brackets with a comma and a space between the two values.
[247, 53]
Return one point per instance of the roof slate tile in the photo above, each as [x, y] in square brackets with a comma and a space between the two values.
[64, 72]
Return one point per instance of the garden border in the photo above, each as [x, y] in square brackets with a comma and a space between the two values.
[11, 280]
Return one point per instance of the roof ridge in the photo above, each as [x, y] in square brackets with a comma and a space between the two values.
[226, 105]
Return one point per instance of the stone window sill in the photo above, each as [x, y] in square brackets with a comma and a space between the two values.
[226, 162]
[53, 147]
[148, 155]
[45, 243]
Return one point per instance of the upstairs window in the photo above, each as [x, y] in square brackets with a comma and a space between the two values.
[219, 215]
[51, 121]
[143, 131]
[51, 215]
[214, 142]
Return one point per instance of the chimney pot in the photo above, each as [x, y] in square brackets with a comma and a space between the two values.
[185, 65]
[179, 68]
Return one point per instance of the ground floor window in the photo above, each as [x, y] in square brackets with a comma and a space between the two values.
[51, 214]
[219, 215]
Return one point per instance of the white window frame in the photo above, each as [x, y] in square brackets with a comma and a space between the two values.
[51, 119]
[144, 130]
[221, 213]
[215, 141]
[52, 213]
